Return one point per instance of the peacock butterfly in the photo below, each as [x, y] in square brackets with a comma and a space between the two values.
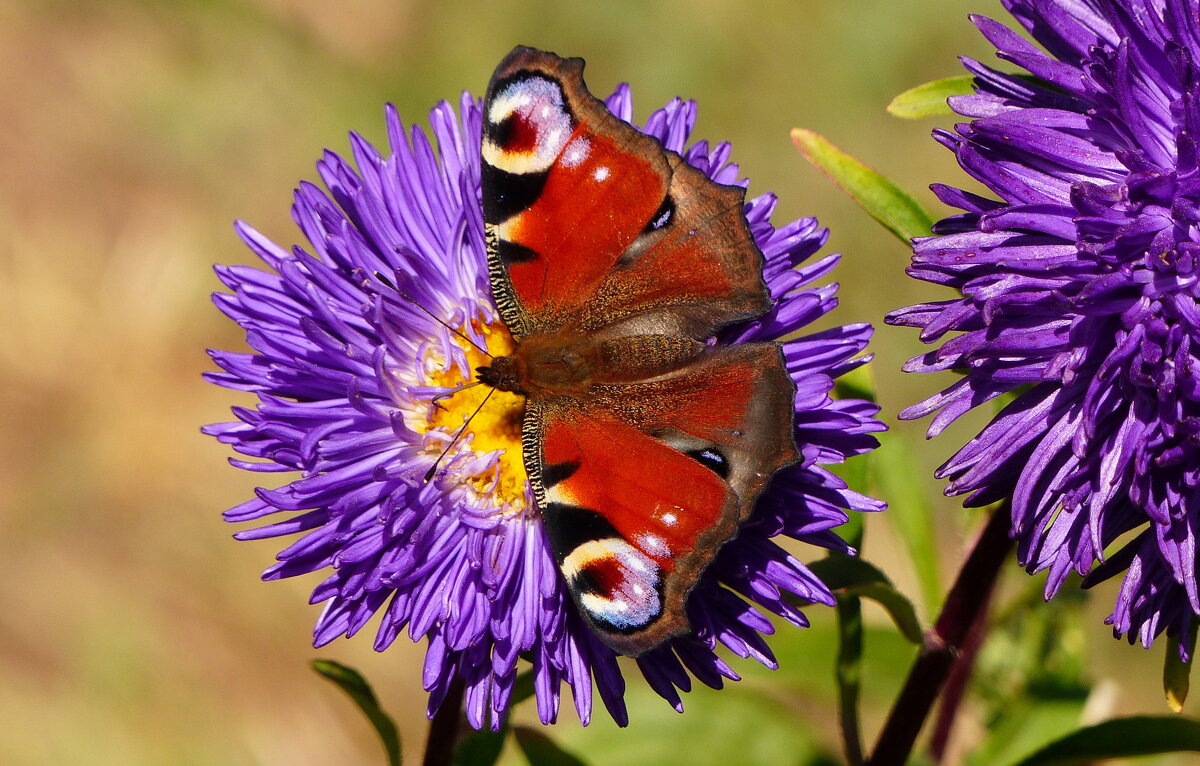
[614, 263]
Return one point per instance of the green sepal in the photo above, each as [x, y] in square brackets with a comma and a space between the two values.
[356, 687]
[1176, 672]
[883, 200]
[854, 577]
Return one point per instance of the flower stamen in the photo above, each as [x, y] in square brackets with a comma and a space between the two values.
[495, 427]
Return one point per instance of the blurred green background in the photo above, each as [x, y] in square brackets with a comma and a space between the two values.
[133, 630]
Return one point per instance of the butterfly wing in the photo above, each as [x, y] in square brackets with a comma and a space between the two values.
[591, 222]
[641, 484]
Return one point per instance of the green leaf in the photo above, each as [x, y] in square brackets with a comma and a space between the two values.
[1120, 738]
[882, 199]
[480, 748]
[848, 673]
[540, 750]
[929, 99]
[356, 687]
[1176, 672]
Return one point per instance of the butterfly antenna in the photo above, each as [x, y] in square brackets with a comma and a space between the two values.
[435, 400]
[433, 469]
[432, 316]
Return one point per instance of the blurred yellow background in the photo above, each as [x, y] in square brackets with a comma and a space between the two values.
[133, 630]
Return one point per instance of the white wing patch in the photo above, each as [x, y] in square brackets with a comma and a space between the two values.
[654, 545]
[576, 152]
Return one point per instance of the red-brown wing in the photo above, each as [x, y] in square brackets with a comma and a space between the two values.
[590, 222]
[640, 484]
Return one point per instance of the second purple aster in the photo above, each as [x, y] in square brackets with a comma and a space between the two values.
[1079, 290]
[345, 372]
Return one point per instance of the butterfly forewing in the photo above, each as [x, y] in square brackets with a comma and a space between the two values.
[590, 221]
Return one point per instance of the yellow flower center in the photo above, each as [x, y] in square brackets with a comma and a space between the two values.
[496, 425]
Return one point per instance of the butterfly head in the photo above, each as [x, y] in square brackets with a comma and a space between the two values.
[502, 373]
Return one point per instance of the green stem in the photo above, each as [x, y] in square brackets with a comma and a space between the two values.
[849, 664]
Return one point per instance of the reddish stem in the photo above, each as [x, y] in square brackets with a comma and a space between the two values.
[956, 686]
[944, 642]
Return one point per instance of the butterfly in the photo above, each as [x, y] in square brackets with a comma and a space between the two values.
[614, 263]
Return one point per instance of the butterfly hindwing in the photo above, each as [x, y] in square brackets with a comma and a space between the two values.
[591, 222]
[641, 485]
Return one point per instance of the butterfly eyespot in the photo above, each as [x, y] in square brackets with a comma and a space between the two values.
[527, 126]
[512, 133]
[617, 585]
[711, 459]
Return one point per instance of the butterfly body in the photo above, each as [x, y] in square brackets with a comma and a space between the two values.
[614, 263]
[550, 366]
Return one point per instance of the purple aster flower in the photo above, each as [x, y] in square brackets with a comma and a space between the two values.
[346, 369]
[1079, 297]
